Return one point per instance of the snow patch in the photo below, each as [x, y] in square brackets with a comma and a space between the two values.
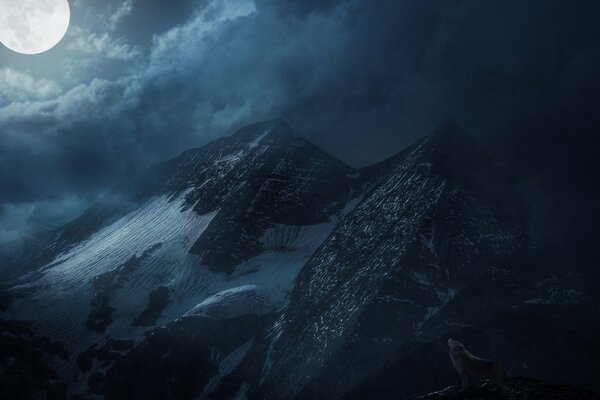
[231, 303]
[60, 299]
[227, 366]
[421, 277]
[260, 137]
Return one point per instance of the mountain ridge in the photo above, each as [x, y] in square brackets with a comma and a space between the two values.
[358, 270]
[159, 178]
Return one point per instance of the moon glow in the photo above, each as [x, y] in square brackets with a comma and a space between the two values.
[33, 26]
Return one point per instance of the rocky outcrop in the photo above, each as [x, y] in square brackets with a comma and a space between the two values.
[28, 363]
[187, 358]
[520, 388]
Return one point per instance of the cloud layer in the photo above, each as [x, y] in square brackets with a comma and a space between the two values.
[363, 79]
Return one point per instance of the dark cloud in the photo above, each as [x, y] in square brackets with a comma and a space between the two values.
[299, 8]
[14, 191]
[362, 79]
[153, 17]
[22, 218]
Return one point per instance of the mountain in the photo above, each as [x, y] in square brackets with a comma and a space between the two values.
[260, 267]
[420, 234]
[262, 176]
[214, 215]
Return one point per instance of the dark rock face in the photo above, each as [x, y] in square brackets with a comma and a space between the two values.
[179, 361]
[104, 354]
[26, 363]
[520, 388]
[105, 285]
[189, 357]
[157, 301]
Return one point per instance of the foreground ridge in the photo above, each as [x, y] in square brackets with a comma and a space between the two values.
[520, 388]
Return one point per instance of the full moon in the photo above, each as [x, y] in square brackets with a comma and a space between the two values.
[33, 26]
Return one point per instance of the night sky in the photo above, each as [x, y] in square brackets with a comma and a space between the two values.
[136, 82]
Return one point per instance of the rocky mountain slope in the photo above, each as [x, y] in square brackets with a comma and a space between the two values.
[258, 266]
[417, 238]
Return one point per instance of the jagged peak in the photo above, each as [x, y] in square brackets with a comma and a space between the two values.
[276, 128]
[450, 125]
[247, 134]
[453, 151]
[450, 134]
[450, 130]
[274, 134]
[449, 150]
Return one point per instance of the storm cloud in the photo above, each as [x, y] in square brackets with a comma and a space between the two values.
[137, 82]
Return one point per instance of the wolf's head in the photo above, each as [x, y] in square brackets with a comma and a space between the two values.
[455, 345]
